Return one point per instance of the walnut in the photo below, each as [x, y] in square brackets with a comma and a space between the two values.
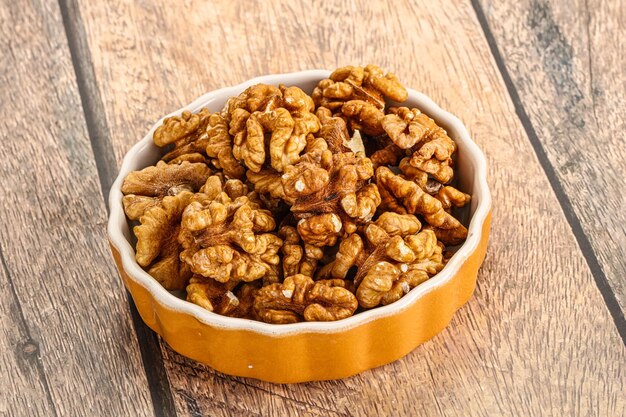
[391, 258]
[259, 97]
[223, 238]
[306, 176]
[441, 170]
[296, 101]
[388, 202]
[236, 188]
[416, 175]
[286, 152]
[176, 128]
[352, 249]
[322, 229]
[298, 257]
[300, 298]
[432, 148]
[369, 84]
[389, 155]
[157, 247]
[364, 117]
[387, 84]
[387, 283]
[220, 147]
[404, 127]
[189, 157]
[333, 130]
[212, 295]
[187, 133]
[451, 237]
[146, 188]
[344, 84]
[222, 298]
[329, 194]
[401, 192]
[419, 177]
[268, 182]
[276, 119]
[333, 200]
[315, 144]
[249, 143]
[451, 197]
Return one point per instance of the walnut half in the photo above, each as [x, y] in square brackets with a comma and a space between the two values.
[300, 298]
[391, 257]
[157, 241]
[409, 196]
[227, 239]
[147, 188]
[335, 206]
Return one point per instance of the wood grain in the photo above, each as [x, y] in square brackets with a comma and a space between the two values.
[536, 339]
[67, 347]
[566, 60]
[19, 359]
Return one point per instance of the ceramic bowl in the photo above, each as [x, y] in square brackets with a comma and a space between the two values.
[312, 350]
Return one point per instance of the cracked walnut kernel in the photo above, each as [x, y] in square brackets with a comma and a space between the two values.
[391, 255]
[222, 298]
[369, 84]
[226, 239]
[298, 257]
[406, 194]
[300, 298]
[146, 188]
[157, 247]
[266, 119]
[335, 206]
[432, 147]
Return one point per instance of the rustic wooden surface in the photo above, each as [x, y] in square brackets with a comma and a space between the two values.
[67, 346]
[567, 63]
[539, 337]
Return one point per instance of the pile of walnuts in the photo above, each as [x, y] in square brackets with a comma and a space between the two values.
[286, 207]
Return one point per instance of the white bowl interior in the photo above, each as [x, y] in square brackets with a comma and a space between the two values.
[471, 174]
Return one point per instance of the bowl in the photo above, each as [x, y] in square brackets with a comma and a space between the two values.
[307, 351]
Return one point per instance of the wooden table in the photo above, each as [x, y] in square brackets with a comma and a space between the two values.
[540, 85]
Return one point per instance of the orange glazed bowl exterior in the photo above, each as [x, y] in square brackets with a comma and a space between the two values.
[307, 351]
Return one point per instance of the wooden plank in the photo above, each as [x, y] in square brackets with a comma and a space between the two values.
[566, 61]
[536, 339]
[67, 346]
[19, 360]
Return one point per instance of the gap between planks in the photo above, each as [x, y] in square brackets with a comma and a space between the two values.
[98, 131]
